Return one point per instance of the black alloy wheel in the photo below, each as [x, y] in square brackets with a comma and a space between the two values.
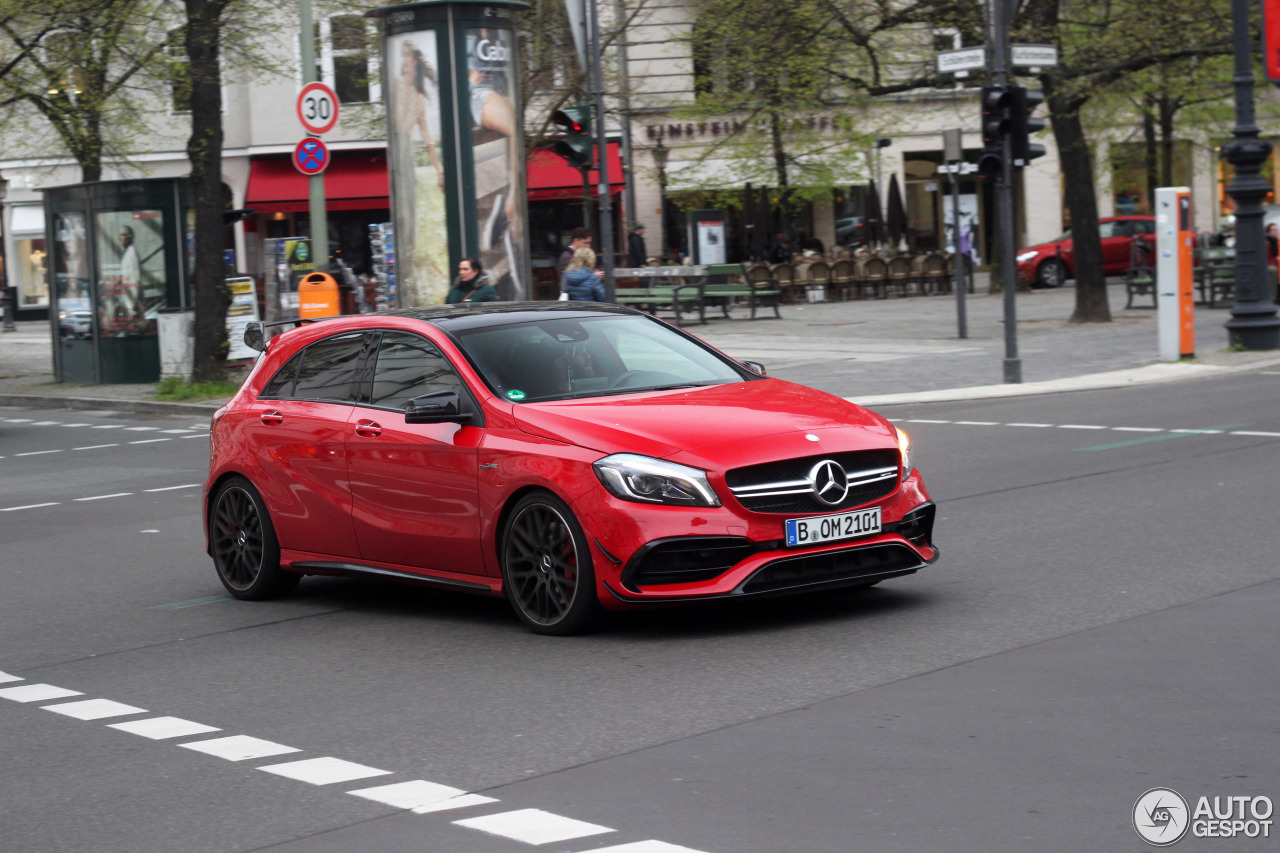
[546, 567]
[243, 544]
[1051, 273]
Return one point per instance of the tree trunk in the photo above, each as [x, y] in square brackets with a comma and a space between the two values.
[1167, 112]
[204, 149]
[1082, 202]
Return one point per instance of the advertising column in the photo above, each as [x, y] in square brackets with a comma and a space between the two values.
[455, 138]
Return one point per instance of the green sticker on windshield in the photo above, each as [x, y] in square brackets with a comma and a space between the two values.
[515, 394]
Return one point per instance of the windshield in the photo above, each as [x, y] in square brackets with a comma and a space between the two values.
[565, 358]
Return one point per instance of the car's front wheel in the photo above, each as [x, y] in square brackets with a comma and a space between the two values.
[1051, 273]
[243, 544]
[546, 566]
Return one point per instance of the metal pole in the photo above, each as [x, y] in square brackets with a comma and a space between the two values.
[1004, 202]
[1253, 322]
[961, 324]
[602, 152]
[7, 294]
[629, 163]
[319, 220]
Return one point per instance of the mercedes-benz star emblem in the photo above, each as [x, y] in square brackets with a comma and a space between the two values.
[829, 482]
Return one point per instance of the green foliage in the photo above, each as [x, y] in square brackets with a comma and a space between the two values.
[177, 389]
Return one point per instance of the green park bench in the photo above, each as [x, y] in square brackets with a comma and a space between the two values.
[673, 288]
[737, 284]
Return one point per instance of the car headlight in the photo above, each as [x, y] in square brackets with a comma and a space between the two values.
[904, 447]
[1026, 256]
[654, 481]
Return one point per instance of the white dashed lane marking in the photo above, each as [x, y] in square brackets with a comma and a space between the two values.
[172, 488]
[645, 847]
[150, 440]
[95, 447]
[1245, 432]
[533, 826]
[94, 709]
[29, 506]
[324, 771]
[239, 748]
[36, 452]
[104, 497]
[465, 801]
[36, 693]
[410, 795]
[160, 728]
[142, 429]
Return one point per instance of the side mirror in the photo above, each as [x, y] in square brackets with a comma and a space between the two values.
[437, 407]
[255, 337]
[756, 366]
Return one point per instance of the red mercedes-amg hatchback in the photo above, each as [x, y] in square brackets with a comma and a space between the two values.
[571, 456]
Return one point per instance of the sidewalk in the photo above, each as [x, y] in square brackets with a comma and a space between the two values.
[876, 352]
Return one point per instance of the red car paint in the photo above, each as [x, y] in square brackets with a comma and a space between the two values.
[1116, 235]
[356, 485]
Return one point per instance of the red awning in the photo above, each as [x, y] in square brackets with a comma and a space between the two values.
[551, 177]
[355, 180]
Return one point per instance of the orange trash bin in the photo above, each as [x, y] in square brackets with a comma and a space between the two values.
[318, 296]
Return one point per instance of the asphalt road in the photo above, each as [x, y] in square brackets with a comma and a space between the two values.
[1101, 622]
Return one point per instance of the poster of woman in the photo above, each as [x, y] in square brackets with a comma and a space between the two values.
[421, 228]
[496, 146]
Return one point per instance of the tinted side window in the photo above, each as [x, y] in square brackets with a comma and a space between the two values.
[407, 367]
[281, 385]
[330, 369]
[1144, 226]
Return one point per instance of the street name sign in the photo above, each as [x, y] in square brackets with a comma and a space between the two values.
[965, 59]
[311, 156]
[317, 108]
[1033, 55]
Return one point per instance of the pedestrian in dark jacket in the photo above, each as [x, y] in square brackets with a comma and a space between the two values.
[580, 239]
[781, 251]
[636, 255]
[580, 280]
[472, 284]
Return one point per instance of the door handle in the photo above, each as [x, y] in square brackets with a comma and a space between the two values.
[272, 418]
[368, 429]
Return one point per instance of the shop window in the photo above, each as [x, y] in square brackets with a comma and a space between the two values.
[1132, 170]
[1227, 173]
[62, 52]
[33, 279]
[344, 59]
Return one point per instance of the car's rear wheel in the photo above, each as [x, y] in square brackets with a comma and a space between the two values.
[1051, 273]
[546, 567]
[243, 543]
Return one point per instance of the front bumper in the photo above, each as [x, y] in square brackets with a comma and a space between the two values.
[654, 554]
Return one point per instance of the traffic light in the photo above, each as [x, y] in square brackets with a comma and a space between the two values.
[1023, 103]
[575, 146]
[995, 126]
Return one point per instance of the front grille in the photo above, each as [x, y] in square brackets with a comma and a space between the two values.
[686, 559]
[784, 486]
[833, 566]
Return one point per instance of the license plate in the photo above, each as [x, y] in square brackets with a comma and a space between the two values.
[829, 528]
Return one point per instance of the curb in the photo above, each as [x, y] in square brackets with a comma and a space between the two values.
[141, 407]
[1152, 374]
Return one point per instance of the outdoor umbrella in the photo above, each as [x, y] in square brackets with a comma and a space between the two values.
[896, 214]
[875, 224]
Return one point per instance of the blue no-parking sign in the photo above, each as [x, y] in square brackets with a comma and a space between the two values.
[311, 156]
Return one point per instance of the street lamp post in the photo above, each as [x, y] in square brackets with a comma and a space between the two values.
[10, 297]
[1253, 324]
[660, 155]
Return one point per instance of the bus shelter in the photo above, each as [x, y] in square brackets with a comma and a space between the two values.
[119, 257]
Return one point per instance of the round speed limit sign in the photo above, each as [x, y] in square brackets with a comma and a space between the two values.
[317, 108]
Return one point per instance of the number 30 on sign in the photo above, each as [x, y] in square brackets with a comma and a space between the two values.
[317, 108]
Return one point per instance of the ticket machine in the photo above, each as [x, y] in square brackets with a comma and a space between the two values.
[1175, 239]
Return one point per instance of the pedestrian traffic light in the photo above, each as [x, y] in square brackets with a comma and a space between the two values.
[575, 146]
[995, 126]
[1022, 104]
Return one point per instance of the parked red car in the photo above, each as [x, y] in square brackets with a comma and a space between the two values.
[571, 456]
[1051, 264]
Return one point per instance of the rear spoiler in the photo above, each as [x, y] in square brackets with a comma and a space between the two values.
[255, 333]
